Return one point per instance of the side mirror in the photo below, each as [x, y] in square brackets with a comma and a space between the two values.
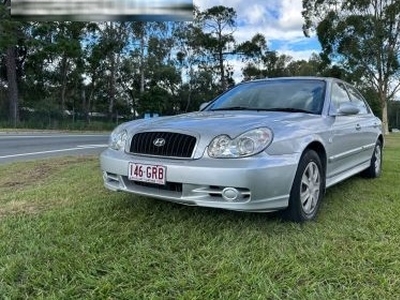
[348, 108]
[203, 105]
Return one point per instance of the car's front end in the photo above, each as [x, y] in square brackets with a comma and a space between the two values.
[240, 152]
[199, 166]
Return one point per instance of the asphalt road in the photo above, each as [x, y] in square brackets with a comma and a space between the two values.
[31, 146]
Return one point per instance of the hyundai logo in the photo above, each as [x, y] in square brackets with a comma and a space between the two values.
[159, 142]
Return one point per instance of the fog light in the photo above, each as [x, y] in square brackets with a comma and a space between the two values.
[230, 194]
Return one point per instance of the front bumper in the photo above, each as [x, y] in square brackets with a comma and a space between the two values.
[260, 183]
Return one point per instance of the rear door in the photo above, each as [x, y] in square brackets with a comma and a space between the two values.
[367, 125]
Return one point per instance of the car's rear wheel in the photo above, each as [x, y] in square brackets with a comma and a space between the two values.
[375, 167]
[307, 189]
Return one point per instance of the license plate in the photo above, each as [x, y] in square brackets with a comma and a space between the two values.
[147, 173]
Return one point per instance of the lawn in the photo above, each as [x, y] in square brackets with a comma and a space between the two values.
[63, 236]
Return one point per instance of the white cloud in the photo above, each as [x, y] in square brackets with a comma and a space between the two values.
[290, 17]
[238, 65]
[280, 21]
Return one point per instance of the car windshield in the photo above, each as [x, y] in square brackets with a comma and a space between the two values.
[291, 95]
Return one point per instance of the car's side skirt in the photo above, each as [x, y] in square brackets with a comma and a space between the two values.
[332, 180]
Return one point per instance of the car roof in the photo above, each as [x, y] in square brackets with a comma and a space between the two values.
[330, 79]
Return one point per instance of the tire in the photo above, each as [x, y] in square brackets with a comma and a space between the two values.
[307, 190]
[375, 168]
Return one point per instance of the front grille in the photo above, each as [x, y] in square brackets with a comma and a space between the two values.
[174, 145]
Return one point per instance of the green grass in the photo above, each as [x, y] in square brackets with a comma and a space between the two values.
[63, 236]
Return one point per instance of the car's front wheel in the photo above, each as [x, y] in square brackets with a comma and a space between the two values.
[307, 189]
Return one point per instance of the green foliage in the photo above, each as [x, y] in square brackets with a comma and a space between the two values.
[254, 53]
[262, 62]
[313, 67]
[394, 114]
[219, 23]
[8, 27]
[254, 48]
[363, 37]
[128, 68]
[372, 98]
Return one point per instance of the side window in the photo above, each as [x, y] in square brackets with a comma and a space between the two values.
[356, 98]
[339, 96]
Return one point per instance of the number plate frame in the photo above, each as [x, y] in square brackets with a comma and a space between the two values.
[147, 173]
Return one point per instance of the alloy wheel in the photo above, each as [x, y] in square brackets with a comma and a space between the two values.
[310, 188]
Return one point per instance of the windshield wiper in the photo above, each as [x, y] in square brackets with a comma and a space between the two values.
[233, 108]
[287, 109]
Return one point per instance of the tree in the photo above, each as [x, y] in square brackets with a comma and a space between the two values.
[113, 40]
[364, 37]
[219, 23]
[260, 61]
[253, 53]
[275, 64]
[196, 67]
[313, 67]
[10, 32]
[105, 48]
[67, 43]
[394, 114]
[150, 75]
[53, 70]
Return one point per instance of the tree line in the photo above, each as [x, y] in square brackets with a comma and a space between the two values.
[63, 70]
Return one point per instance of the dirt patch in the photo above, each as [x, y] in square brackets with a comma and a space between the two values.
[28, 174]
[17, 177]
[16, 207]
[26, 208]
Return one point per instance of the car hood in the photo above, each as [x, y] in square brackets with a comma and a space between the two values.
[233, 124]
[207, 125]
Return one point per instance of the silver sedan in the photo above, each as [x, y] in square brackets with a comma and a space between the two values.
[264, 145]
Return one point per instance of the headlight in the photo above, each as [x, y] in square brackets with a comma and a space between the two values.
[246, 144]
[118, 139]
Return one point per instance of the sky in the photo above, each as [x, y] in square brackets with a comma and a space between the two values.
[280, 21]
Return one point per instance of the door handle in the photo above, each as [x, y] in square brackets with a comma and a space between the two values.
[358, 127]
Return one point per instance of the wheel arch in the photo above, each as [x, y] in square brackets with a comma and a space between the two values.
[320, 150]
[294, 212]
[381, 139]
